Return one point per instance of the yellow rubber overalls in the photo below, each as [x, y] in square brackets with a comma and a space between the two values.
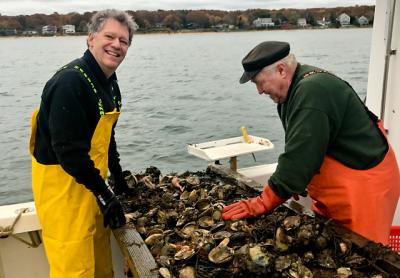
[75, 240]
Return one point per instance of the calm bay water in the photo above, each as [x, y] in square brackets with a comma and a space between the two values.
[177, 89]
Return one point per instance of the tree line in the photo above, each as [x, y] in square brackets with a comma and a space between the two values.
[189, 19]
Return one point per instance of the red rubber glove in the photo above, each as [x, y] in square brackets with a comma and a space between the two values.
[253, 207]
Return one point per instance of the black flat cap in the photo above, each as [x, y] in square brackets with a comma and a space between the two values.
[264, 54]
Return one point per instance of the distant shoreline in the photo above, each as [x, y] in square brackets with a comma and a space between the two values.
[191, 31]
[196, 21]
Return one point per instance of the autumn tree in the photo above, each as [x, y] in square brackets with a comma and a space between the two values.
[214, 20]
[146, 19]
[243, 21]
[262, 14]
[199, 18]
[229, 19]
[74, 18]
[310, 19]
[172, 21]
[293, 17]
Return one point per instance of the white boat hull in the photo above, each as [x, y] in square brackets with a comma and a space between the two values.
[17, 259]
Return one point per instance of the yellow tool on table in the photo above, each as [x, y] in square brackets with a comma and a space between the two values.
[246, 137]
[248, 140]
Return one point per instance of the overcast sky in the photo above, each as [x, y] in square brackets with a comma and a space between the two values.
[25, 7]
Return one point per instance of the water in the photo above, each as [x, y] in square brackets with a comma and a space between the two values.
[177, 89]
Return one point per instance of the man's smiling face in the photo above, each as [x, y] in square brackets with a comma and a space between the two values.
[109, 46]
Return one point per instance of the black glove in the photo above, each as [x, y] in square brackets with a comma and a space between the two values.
[121, 186]
[111, 208]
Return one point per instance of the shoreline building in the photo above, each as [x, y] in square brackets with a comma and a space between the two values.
[68, 29]
[263, 22]
[49, 30]
[302, 22]
[343, 19]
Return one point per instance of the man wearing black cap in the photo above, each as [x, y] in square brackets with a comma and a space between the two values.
[335, 148]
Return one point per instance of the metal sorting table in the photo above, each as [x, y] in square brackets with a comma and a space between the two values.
[142, 263]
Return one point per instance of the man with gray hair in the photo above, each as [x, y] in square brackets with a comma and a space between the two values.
[335, 148]
[73, 147]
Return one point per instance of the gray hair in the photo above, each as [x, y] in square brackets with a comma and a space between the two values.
[289, 60]
[98, 19]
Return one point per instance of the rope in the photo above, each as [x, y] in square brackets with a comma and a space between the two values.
[6, 231]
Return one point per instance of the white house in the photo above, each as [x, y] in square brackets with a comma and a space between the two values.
[68, 29]
[344, 19]
[362, 20]
[263, 22]
[49, 30]
[301, 22]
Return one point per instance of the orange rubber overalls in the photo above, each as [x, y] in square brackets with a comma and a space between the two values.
[363, 201]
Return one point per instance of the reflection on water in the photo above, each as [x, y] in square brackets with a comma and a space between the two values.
[177, 89]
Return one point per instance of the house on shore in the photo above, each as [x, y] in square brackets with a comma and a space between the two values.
[68, 29]
[263, 22]
[343, 19]
[362, 20]
[49, 30]
[302, 22]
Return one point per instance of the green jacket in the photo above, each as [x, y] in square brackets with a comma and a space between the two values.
[323, 116]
